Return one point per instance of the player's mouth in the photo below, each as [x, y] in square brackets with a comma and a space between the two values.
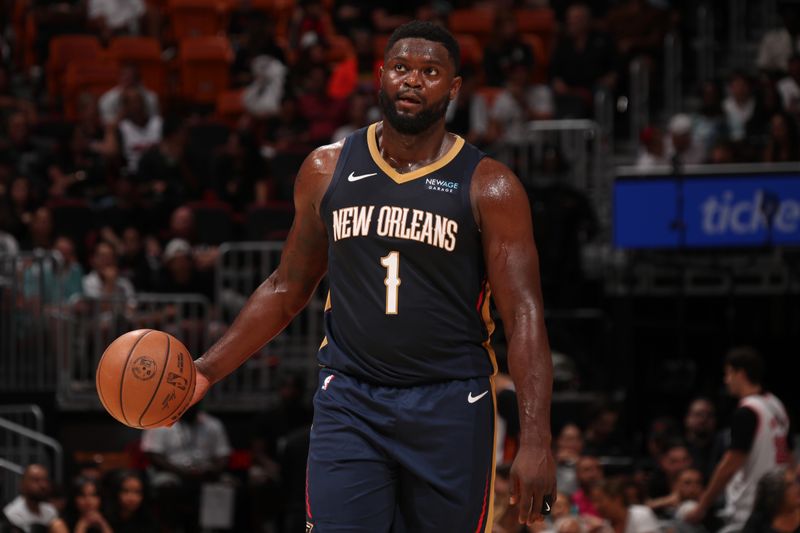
[408, 100]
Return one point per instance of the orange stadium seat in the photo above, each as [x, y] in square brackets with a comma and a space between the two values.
[63, 50]
[471, 49]
[93, 77]
[230, 106]
[477, 21]
[195, 18]
[540, 56]
[145, 54]
[203, 64]
[541, 22]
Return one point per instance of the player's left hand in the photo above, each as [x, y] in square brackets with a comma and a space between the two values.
[533, 477]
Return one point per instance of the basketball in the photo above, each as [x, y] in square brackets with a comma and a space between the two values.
[146, 378]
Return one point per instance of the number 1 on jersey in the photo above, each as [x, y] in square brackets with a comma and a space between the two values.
[391, 263]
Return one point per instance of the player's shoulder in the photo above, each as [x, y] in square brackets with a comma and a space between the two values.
[494, 179]
[323, 159]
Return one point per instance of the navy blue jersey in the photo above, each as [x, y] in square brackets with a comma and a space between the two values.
[409, 300]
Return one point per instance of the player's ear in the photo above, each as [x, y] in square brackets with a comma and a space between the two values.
[455, 86]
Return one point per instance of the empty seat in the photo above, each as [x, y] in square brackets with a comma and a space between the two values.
[63, 50]
[195, 18]
[93, 77]
[204, 68]
[230, 106]
[145, 54]
[541, 22]
[476, 21]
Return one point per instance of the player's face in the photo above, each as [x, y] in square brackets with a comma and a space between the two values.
[417, 82]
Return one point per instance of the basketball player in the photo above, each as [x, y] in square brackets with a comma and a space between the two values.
[412, 226]
[759, 442]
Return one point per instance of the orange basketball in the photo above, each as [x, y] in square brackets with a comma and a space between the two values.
[146, 378]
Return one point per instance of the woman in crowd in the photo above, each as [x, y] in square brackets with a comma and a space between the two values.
[82, 514]
[777, 505]
[127, 511]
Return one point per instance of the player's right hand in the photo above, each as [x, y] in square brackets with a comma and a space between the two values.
[201, 387]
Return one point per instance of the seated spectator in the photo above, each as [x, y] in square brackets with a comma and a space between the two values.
[20, 153]
[309, 19]
[135, 262]
[163, 177]
[777, 504]
[609, 499]
[30, 508]
[588, 472]
[116, 17]
[237, 167]
[111, 102]
[16, 209]
[722, 153]
[79, 171]
[468, 114]
[673, 460]
[740, 107]
[262, 97]
[182, 457]
[182, 226]
[783, 143]
[40, 231]
[708, 123]
[583, 61]
[8, 244]
[778, 45]
[601, 436]
[685, 493]
[682, 148]
[138, 130]
[9, 101]
[519, 104]
[129, 507]
[57, 283]
[323, 113]
[105, 280]
[569, 446]
[652, 149]
[256, 38]
[505, 51]
[789, 87]
[83, 514]
[699, 432]
[180, 273]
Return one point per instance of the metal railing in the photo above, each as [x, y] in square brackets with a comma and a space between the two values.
[21, 446]
[704, 44]
[673, 74]
[638, 98]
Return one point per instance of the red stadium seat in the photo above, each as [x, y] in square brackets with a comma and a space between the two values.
[339, 49]
[203, 64]
[145, 54]
[93, 77]
[471, 49]
[541, 22]
[63, 50]
[477, 21]
[230, 106]
[195, 18]
[540, 55]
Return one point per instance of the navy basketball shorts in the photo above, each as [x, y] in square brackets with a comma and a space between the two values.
[401, 459]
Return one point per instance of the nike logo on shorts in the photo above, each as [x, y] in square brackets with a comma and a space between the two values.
[353, 177]
[473, 399]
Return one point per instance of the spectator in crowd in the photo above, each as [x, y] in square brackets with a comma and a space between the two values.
[323, 113]
[468, 114]
[708, 123]
[569, 446]
[136, 262]
[9, 102]
[686, 492]
[129, 508]
[310, 20]
[163, 176]
[609, 499]
[20, 155]
[778, 45]
[777, 503]
[55, 17]
[40, 231]
[57, 283]
[789, 87]
[588, 472]
[238, 166]
[116, 17]
[262, 97]
[682, 148]
[83, 514]
[193, 451]
[111, 102]
[602, 436]
[182, 226]
[759, 441]
[638, 28]
[673, 460]
[30, 508]
[359, 110]
[652, 149]
[138, 130]
[79, 171]
[722, 153]
[17, 209]
[740, 106]
[105, 279]
[783, 142]
[699, 431]
[505, 51]
[583, 61]
[285, 144]
[180, 274]
[520, 103]
[8, 244]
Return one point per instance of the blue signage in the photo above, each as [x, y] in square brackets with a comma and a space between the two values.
[707, 211]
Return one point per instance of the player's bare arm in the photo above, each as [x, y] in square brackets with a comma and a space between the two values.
[502, 211]
[287, 290]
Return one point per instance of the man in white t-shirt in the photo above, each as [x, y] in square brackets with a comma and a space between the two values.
[31, 508]
[789, 87]
[138, 130]
[759, 442]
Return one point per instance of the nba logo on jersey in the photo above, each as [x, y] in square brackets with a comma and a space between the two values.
[327, 382]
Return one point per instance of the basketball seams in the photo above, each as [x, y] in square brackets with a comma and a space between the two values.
[160, 382]
[124, 372]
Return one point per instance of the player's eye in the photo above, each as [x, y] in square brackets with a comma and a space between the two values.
[432, 71]
[399, 67]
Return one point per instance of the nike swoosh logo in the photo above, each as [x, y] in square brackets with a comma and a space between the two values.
[546, 507]
[473, 399]
[353, 177]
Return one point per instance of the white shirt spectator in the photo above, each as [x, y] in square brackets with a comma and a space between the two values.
[93, 287]
[20, 516]
[263, 96]
[775, 50]
[641, 519]
[789, 90]
[511, 116]
[136, 140]
[189, 445]
[118, 14]
[8, 244]
[738, 116]
[110, 104]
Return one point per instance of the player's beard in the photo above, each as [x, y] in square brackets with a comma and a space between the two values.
[412, 124]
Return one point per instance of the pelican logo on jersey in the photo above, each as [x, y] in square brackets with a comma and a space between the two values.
[396, 222]
[434, 184]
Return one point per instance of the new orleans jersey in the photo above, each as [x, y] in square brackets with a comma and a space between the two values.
[409, 301]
